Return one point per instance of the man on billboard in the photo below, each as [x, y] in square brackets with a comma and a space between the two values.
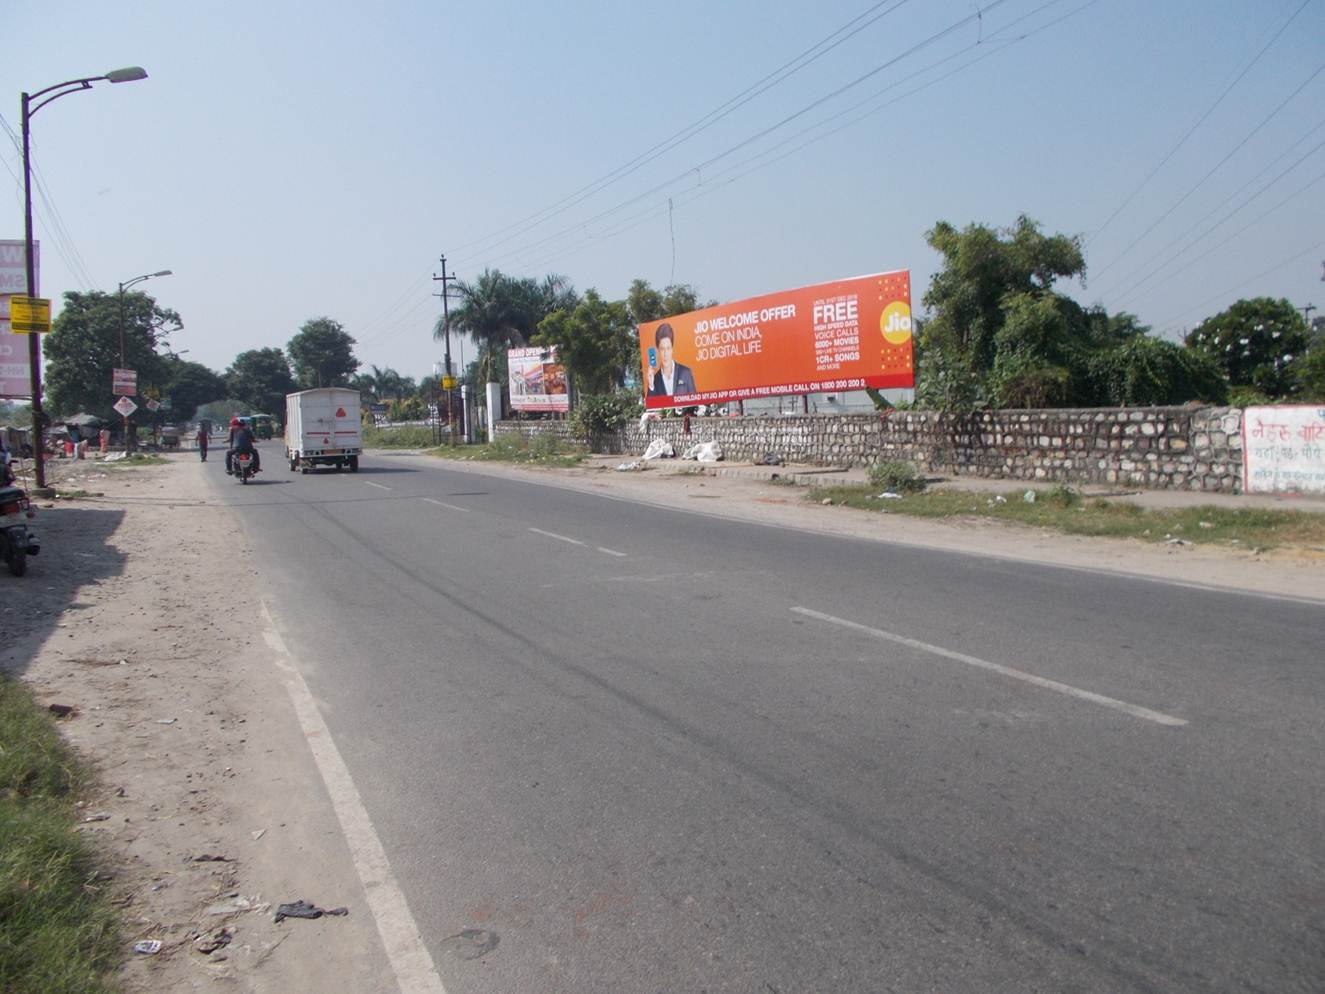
[668, 376]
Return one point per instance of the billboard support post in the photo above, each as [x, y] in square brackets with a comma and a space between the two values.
[493, 391]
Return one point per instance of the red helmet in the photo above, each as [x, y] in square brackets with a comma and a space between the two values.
[236, 423]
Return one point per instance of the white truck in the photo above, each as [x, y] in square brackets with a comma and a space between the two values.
[322, 428]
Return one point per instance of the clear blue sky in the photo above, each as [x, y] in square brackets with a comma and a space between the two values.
[290, 161]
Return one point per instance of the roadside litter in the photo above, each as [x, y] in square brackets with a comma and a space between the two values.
[238, 905]
[148, 947]
[302, 909]
[890, 495]
[1029, 496]
[770, 459]
[630, 467]
[659, 449]
[210, 942]
[704, 452]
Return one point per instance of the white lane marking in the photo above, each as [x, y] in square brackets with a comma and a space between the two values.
[414, 969]
[1134, 710]
[377, 485]
[559, 538]
[442, 503]
[611, 552]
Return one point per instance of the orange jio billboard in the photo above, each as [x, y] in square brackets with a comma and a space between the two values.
[844, 335]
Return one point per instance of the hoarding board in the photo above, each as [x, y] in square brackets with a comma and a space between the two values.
[1283, 449]
[15, 368]
[844, 335]
[537, 380]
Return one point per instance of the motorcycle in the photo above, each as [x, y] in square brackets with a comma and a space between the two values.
[17, 540]
[244, 466]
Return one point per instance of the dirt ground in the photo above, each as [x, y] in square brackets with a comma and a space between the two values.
[143, 614]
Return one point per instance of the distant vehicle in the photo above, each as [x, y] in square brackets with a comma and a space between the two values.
[322, 428]
[169, 437]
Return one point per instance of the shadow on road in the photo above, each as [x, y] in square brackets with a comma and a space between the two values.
[75, 552]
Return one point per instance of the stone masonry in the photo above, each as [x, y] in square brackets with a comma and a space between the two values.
[1180, 448]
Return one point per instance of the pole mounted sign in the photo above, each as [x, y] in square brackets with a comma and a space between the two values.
[29, 315]
[125, 406]
[15, 367]
[124, 381]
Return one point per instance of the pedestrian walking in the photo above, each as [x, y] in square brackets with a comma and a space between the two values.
[202, 442]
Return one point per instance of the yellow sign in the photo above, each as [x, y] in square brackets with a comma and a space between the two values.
[448, 382]
[29, 314]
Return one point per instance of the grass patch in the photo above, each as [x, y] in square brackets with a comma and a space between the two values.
[1065, 510]
[401, 437]
[58, 933]
[899, 477]
[542, 450]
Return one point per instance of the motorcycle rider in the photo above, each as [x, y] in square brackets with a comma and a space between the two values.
[241, 440]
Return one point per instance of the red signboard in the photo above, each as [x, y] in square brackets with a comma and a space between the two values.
[844, 335]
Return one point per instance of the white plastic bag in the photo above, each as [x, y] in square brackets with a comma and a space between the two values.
[659, 449]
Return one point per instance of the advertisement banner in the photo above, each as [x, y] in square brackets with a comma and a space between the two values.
[844, 335]
[538, 381]
[1283, 449]
[124, 381]
[15, 369]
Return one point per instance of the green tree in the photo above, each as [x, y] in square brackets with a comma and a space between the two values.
[322, 354]
[1255, 343]
[984, 272]
[261, 378]
[592, 341]
[1143, 371]
[497, 309]
[647, 304]
[189, 385]
[84, 347]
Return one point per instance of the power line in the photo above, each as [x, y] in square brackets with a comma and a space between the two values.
[783, 72]
[1153, 273]
[1215, 168]
[1259, 276]
[698, 169]
[1147, 266]
[710, 186]
[1201, 120]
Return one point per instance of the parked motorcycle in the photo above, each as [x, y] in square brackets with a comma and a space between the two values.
[244, 466]
[17, 540]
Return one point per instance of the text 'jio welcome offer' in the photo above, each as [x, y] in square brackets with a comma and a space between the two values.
[844, 335]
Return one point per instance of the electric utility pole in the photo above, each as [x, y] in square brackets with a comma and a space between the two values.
[448, 381]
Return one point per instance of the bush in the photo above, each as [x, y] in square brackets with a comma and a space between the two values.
[601, 414]
[899, 477]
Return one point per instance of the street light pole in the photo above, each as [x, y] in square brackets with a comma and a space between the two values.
[30, 104]
[129, 283]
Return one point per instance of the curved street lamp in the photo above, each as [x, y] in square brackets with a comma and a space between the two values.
[125, 284]
[31, 103]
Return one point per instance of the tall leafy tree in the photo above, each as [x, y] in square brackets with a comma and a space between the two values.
[644, 303]
[591, 341]
[1255, 343]
[261, 378]
[84, 347]
[986, 275]
[322, 354]
[496, 309]
[189, 385]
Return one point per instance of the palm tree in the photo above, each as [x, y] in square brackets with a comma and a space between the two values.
[497, 310]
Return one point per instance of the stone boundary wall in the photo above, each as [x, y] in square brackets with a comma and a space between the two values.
[1178, 448]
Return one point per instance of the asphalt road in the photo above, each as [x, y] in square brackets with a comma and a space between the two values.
[614, 747]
